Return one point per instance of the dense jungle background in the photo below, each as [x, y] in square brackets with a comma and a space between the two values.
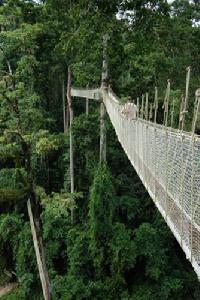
[107, 240]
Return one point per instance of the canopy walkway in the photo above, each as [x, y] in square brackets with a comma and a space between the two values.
[167, 161]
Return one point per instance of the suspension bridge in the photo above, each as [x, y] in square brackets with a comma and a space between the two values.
[167, 160]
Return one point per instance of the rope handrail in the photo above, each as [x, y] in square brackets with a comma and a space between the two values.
[167, 162]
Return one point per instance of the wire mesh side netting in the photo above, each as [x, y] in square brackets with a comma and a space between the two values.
[168, 163]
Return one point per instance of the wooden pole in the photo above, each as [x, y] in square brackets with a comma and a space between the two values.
[87, 104]
[151, 112]
[138, 107]
[172, 113]
[155, 104]
[64, 108]
[104, 85]
[104, 77]
[187, 87]
[42, 272]
[147, 106]
[181, 113]
[184, 104]
[102, 133]
[166, 103]
[142, 108]
[71, 117]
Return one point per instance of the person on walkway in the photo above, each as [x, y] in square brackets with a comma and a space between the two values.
[130, 109]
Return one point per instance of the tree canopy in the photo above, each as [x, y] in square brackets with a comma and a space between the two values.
[118, 246]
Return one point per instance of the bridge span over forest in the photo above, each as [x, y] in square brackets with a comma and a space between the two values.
[167, 160]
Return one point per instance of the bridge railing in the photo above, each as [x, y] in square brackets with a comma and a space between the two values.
[168, 163]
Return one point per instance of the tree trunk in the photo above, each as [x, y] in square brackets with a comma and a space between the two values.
[65, 109]
[35, 227]
[87, 104]
[102, 133]
[104, 85]
[40, 262]
[71, 117]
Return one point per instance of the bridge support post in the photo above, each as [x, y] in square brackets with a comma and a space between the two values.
[104, 86]
[71, 114]
[87, 104]
[71, 144]
[65, 108]
[102, 133]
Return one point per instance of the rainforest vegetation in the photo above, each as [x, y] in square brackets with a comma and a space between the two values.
[106, 240]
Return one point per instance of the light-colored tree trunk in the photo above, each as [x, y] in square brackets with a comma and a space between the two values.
[87, 104]
[102, 133]
[65, 109]
[87, 107]
[104, 85]
[71, 117]
[39, 256]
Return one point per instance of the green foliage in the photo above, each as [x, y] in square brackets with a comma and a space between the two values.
[10, 226]
[123, 249]
[26, 267]
[13, 185]
[118, 246]
[86, 144]
[100, 216]
[16, 294]
[100, 206]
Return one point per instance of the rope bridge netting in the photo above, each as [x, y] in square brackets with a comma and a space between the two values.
[168, 163]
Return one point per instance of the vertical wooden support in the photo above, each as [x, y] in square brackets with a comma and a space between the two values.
[196, 110]
[102, 133]
[87, 104]
[71, 117]
[166, 103]
[181, 123]
[184, 104]
[104, 85]
[138, 107]
[87, 107]
[142, 108]
[40, 262]
[155, 104]
[147, 106]
[104, 77]
[151, 112]
[172, 114]
[65, 109]
[187, 87]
